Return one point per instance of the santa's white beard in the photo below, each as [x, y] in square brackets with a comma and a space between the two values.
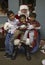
[26, 14]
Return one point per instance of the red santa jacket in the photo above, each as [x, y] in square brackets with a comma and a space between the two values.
[17, 17]
[36, 23]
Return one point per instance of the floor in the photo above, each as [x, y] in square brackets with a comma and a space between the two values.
[21, 60]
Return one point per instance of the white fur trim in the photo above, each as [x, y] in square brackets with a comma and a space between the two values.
[31, 36]
[27, 41]
[22, 26]
[38, 28]
[21, 13]
[23, 7]
[16, 42]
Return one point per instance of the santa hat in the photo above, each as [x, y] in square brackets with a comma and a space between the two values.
[24, 7]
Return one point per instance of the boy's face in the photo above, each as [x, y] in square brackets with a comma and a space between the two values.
[23, 20]
[12, 17]
[32, 18]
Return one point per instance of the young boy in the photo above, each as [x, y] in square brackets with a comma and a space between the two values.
[20, 39]
[36, 24]
[33, 21]
[10, 27]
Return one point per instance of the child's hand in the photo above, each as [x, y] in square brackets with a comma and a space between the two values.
[34, 25]
[22, 27]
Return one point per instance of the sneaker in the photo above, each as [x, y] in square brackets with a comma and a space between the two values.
[14, 56]
[43, 51]
[6, 54]
[9, 56]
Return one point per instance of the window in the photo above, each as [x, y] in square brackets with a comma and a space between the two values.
[3, 7]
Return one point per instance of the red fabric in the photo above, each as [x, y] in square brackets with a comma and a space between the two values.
[17, 17]
[18, 37]
[35, 33]
[21, 23]
[3, 31]
[36, 23]
[33, 44]
[35, 38]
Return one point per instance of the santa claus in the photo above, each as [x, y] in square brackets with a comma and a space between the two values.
[23, 10]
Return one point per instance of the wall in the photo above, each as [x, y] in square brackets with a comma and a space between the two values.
[3, 19]
[40, 10]
[14, 6]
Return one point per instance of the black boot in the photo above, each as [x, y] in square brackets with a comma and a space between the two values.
[15, 53]
[6, 54]
[27, 53]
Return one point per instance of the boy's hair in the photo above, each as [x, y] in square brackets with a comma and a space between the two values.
[9, 13]
[22, 16]
[32, 15]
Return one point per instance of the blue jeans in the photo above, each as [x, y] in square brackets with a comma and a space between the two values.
[8, 44]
